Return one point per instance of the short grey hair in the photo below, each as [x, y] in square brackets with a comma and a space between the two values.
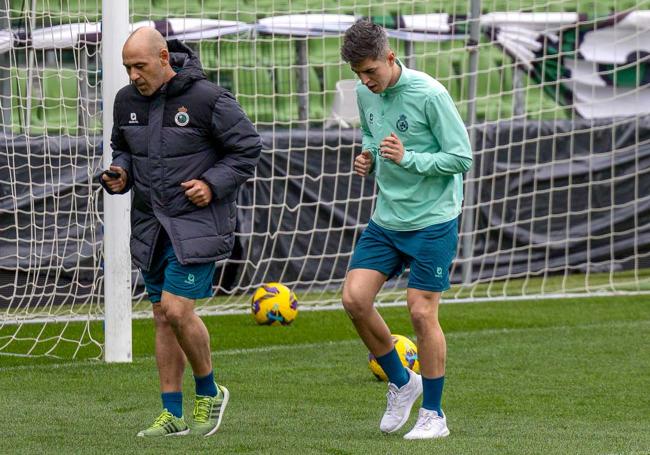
[364, 40]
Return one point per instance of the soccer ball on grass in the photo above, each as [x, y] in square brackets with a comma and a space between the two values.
[274, 304]
[408, 354]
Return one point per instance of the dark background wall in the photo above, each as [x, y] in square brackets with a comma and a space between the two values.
[550, 196]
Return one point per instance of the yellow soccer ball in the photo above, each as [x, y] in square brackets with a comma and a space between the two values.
[408, 354]
[274, 304]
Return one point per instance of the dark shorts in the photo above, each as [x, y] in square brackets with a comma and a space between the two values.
[429, 253]
[193, 281]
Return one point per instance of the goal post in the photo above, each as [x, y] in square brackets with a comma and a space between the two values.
[117, 208]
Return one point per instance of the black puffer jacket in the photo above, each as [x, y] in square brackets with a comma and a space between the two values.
[189, 129]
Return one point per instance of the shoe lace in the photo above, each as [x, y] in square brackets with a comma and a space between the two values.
[202, 409]
[425, 420]
[392, 398]
[162, 419]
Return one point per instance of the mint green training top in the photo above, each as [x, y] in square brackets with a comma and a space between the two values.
[426, 188]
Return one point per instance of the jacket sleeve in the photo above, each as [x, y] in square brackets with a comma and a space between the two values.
[121, 154]
[238, 142]
[455, 154]
[367, 140]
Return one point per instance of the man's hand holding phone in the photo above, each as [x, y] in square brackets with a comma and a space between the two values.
[115, 178]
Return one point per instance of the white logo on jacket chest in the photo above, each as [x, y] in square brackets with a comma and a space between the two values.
[182, 118]
[134, 118]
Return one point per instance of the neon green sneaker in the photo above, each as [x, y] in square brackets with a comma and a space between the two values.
[167, 424]
[208, 412]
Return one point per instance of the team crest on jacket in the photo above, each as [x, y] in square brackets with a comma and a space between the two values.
[182, 118]
[402, 124]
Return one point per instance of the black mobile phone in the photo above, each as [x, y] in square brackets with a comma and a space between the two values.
[113, 174]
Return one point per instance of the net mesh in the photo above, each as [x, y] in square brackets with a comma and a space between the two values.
[556, 203]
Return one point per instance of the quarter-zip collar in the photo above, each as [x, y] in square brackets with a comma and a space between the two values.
[401, 83]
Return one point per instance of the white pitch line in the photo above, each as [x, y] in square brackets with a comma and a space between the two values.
[282, 347]
[334, 306]
[225, 352]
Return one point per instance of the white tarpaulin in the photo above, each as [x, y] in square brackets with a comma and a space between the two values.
[602, 65]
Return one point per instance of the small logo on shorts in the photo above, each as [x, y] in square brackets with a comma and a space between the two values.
[438, 272]
[182, 118]
[189, 279]
[371, 117]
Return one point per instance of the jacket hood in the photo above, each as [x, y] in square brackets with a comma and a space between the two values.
[187, 66]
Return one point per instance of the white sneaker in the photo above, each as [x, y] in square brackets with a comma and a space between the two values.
[399, 403]
[429, 426]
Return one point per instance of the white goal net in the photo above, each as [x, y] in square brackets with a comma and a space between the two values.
[555, 94]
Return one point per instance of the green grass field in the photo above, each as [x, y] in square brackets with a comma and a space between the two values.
[556, 376]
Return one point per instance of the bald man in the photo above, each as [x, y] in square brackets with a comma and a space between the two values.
[183, 146]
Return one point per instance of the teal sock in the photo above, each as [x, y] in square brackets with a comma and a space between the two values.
[173, 402]
[205, 385]
[432, 394]
[392, 366]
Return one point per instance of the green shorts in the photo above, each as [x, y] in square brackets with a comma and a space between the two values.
[428, 252]
[192, 281]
